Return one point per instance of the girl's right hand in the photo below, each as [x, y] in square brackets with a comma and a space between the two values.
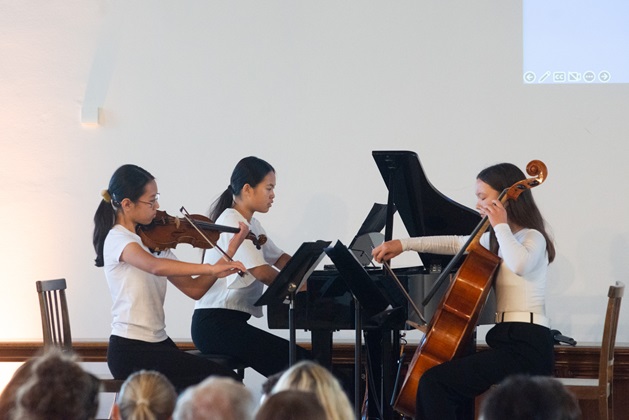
[224, 268]
[387, 250]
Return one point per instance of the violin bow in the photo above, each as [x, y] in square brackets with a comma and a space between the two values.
[186, 216]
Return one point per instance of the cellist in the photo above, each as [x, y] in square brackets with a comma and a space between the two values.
[520, 342]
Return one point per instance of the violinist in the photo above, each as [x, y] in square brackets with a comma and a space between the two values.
[137, 281]
[219, 323]
[520, 342]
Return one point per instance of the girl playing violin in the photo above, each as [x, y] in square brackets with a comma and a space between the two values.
[137, 282]
[520, 342]
[219, 323]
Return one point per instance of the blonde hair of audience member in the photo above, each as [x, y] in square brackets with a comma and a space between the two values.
[216, 398]
[309, 376]
[522, 397]
[57, 388]
[145, 395]
[291, 404]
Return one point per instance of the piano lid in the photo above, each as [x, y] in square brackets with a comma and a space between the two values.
[424, 210]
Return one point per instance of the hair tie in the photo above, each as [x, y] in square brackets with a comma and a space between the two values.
[230, 189]
[142, 401]
[106, 196]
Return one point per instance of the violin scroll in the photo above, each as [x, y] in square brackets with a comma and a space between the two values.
[537, 169]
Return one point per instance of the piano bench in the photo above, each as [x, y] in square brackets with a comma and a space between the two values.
[224, 360]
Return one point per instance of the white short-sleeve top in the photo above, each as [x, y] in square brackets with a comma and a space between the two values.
[236, 292]
[138, 296]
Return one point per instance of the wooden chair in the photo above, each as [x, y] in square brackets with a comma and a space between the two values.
[601, 388]
[56, 322]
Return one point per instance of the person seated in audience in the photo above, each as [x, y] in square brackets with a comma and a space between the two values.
[216, 398]
[523, 397]
[146, 394]
[56, 388]
[7, 398]
[291, 405]
[311, 377]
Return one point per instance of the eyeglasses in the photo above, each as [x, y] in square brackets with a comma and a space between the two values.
[151, 202]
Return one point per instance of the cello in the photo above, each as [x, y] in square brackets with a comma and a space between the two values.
[452, 325]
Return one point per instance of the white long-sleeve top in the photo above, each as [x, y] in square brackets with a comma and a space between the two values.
[521, 280]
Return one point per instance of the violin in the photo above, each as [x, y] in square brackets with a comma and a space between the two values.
[166, 231]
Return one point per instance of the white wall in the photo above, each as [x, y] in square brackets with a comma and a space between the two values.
[187, 88]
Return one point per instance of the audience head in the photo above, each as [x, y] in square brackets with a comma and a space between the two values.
[267, 386]
[7, 398]
[216, 398]
[145, 395]
[291, 405]
[57, 388]
[311, 377]
[522, 397]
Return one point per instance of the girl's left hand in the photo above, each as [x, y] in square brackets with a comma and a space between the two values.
[239, 237]
[496, 212]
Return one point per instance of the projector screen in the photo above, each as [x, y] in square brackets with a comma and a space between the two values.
[567, 41]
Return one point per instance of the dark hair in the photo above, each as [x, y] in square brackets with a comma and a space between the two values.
[523, 211]
[250, 170]
[291, 405]
[522, 397]
[267, 386]
[129, 181]
[57, 388]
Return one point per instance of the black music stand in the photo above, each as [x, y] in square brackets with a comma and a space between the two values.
[369, 298]
[289, 281]
[369, 236]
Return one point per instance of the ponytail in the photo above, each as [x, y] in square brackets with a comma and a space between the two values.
[147, 394]
[223, 202]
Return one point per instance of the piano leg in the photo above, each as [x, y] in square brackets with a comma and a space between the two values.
[322, 347]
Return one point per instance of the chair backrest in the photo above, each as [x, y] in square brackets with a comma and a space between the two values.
[606, 369]
[54, 313]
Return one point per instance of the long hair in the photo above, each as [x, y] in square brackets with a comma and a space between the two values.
[250, 170]
[146, 395]
[523, 211]
[309, 376]
[129, 181]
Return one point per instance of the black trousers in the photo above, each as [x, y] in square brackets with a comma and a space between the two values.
[226, 331]
[125, 356]
[515, 348]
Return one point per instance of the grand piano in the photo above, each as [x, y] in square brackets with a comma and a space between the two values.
[328, 304]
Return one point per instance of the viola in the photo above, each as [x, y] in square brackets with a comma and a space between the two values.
[452, 325]
[166, 231]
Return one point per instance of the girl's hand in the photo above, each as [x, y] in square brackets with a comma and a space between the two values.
[239, 237]
[387, 250]
[223, 268]
[496, 212]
